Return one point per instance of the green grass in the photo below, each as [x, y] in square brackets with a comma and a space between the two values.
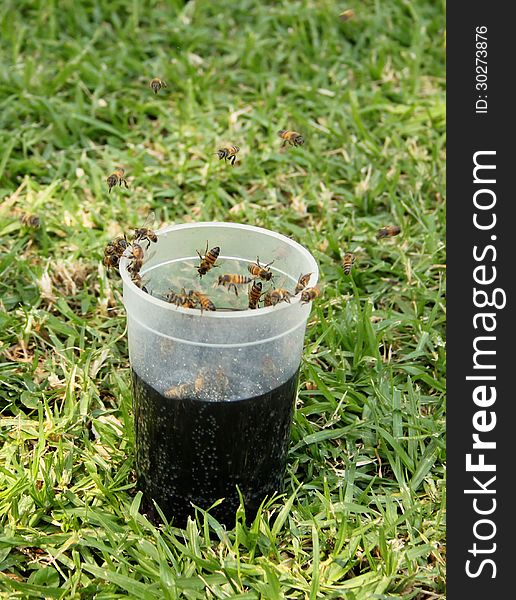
[363, 515]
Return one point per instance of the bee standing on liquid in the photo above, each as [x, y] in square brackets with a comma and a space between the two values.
[255, 293]
[302, 282]
[291, 137]
[347, 262]
[273, 297]
[388, 231]
[310, 294]
[200, 381]
[184, 299]
[260, 271]
[156, 84]
[208, 260]
[204, 302]
[228, 153]
[117, 178]
[179, 391]
[232, 280]
[145, 233]
[210, 382]
[220, 380]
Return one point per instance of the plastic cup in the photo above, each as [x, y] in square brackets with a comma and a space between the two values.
[214, 391]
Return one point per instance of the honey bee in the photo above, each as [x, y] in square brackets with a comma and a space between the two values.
[184, 299]
[232, 280]
[138, 282]
[347, 14]
[136, 256]
[302, 282]
[270, 367]
[136, 266]
[200, 382]
[156, 84]
[273, 297]
[228, 153]
[117, 178]
[117, 246]
[136, 251]
[114, 250]
[208, 260]
[210, 382]
[291, 137]
[310, 294]
[145, 233]
[388, 231]
[221, 380]
[204, 302]
[110, 250]
[179, 391]
[255, 293]
[347, 262]
[261, 271]
[32, 221]
[110, 261]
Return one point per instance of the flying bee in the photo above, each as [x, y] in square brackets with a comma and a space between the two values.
[204, 302]
[156, 84]
[273, 297]
[302, 282]
[255, 293]
[347, 262]
[117, 178]
[208, 260]
[145, 233]
[347, 14]
[388, 231]
[228, 153]
[310, 294]
[31, 221]
[232, 280]
[291, 137]
[179, 391]
[261, 271]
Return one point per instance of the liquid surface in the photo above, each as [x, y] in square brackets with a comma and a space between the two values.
[197, 451]
[175, 275]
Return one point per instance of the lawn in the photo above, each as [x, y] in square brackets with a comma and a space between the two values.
[363, 513]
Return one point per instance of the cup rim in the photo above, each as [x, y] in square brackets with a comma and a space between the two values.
[237, 314]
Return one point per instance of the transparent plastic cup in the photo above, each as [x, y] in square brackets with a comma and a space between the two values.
[214, 391]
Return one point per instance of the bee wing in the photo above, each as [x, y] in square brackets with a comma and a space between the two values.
[150, 220]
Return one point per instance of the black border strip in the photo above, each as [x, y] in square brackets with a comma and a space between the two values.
[480, 509]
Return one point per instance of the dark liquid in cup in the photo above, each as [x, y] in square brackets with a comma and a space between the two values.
[196, 451]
